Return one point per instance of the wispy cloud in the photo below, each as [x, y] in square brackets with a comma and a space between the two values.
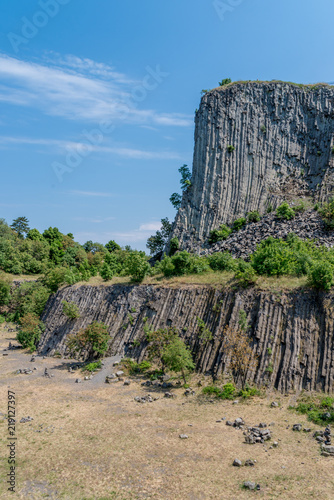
[63, 146]
[89, 193]
[77, 89]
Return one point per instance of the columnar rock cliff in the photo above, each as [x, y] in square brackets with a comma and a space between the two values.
[256, 144]
[292, 333]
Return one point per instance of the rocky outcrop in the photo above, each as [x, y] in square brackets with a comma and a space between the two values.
[256, 144]
[306, 225]
[292, 333]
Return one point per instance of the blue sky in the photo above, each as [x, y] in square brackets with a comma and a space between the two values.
[98, 98]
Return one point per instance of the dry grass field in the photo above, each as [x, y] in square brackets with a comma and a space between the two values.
[93, 441]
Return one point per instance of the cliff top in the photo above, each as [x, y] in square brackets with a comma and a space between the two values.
[304, 86]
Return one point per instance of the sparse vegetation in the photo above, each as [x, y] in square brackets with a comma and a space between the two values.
[230, 148]
[71, 310]
[253, 216]
[319, 408]
[92, 340]
[219, 234]
[284, 211]
[30, 331]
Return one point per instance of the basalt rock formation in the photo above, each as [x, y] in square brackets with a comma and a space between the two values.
[256, 144]
[292, 332]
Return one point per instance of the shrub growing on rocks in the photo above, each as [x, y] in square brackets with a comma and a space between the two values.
[239, 223]
[327, 214]
[321, 275]
[70, 309]
[219, 234]
[284, 211]
[253, 216]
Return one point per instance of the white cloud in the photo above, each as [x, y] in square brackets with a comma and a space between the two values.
[63, 146]
[151, 226]
[78, 89]
[89, 193]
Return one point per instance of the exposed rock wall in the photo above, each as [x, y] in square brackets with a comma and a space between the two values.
[283, 139]
[292, 333]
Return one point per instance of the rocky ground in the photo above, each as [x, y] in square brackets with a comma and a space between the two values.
[306, 225]
[134, 439]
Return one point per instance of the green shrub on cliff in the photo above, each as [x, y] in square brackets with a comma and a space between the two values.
[219, 234]
[239, 223]
[285, 212]
[327, 214]
[30, 331]
[71, 310]
[321, 275]
[92, 339]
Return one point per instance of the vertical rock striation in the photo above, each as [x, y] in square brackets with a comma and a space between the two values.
[292, 333]
[256, 144]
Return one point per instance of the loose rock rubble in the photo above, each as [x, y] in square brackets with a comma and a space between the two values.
[307, 225]
[26, 371]
[257, 435]
[145, 399]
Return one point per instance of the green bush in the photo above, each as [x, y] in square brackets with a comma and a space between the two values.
[327, 214]
[93, 339]
[219, 234]
[106, 272]
[174, 246]
[245, 275]
[29, 297]
[229, 391]
[2, 319]
[4, 291]
[137, 266]
[321, 275]
[285, 212]
[70, 309]
[182, 263]
[253, 216]
[30, 331]
[92, 367]
[319, 409]
[239, 223]
[230, 148]
[222, 261]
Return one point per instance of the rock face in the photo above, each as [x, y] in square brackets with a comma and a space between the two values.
[292, 333]
[256, 144]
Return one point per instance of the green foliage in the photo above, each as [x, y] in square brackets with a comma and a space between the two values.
[222, 261]
[276, 257]
[243, 325]
[225, 81]
[318, 408]
[71, 310]
[321, 275]
[327, 214]
[176, 200]
[30, 331]
[137, 266]
[131, 319]
[253, 216]
[106, 272]
[269, 208]
[92, 367]
[111, 246]
[204, 333]
[219, 234]
[239, 223]
[245, 274]
[230, 148]
[157, 242]
[229, 391]
[183, 263]
[20, 226]
[136, 368]
[176, 356]
[263, 129]
[174, 246]
[185, 177]
[285, 212]
[4, 291]
[30, 297]
[2, 319]
[94, 339]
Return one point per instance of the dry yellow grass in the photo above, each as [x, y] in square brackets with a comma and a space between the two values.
[96, 442]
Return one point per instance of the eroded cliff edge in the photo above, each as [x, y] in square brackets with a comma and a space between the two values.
[283, 138]
[292, 332]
